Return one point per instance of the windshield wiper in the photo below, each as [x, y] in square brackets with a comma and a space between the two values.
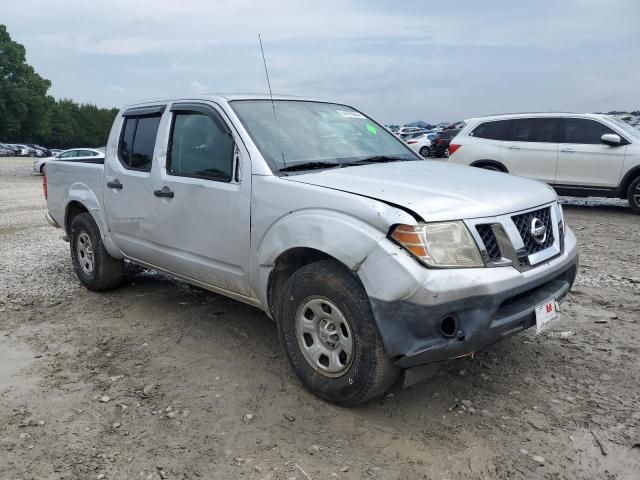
[309, 166]
[378, 159]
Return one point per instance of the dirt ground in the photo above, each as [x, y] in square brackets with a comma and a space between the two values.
[155, 380]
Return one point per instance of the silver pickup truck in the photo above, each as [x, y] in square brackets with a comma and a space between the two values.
[370, 259]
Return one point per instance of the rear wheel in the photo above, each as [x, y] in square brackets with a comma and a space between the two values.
[446, 153]
[95, 268]
[633, 195]
[328, 332]
[424, 151]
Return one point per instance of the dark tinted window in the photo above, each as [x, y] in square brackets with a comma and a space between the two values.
[582, 130]
[126, 141]
[543, 130]
[138, 141]
[497, 130]
[144, 142]
[199, 148]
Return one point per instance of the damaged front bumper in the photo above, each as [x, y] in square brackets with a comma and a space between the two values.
[457, 312]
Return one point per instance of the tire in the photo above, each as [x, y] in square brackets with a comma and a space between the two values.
[346, 379]
[424, 152]
[633, 195]
[446, 153]
[95, 268]
[42, 168]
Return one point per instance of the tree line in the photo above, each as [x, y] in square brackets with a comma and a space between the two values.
[29, 115]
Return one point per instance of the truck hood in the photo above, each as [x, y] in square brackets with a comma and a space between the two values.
[435, 190]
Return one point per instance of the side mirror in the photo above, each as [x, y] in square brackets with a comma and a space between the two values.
[611, 139]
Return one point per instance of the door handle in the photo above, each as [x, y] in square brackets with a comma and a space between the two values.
[164, 193]
[568, 150]
[115, 184]
[513, 147]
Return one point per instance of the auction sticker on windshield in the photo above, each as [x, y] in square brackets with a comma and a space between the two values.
[350, 114]
[545, 313]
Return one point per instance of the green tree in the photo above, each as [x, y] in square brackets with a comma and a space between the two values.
[29, 115]
[23, 93]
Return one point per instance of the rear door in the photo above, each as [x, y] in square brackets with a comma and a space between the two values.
[200, 220]
[531, 148]
[128, 194]
[583, 160]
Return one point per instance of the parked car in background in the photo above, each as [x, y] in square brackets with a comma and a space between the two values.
[6, 150]
[40, 151]
[369, 258]
[22, 150]
[440, 144]
[422, 143]
[578, 154]
[88, 155]
[406, 130]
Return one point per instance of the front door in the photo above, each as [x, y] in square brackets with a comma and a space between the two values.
[583, 160]
[531, 148]
[200, 222]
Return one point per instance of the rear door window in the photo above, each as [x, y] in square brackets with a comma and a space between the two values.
[583, 131]
[542, 130]
[137, 142]
[497, 130]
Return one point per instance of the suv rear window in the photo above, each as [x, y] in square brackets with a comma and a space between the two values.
[496, 130]
[137, 142]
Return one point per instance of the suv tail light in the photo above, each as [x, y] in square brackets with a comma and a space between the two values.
[412, 141]
[44, 182]
[453, 147]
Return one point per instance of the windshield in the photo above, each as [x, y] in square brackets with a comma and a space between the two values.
[624, 126]
[316, 133]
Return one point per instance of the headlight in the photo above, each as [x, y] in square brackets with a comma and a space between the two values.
[445, 245]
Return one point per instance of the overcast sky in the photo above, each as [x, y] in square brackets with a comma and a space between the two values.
[398, 61]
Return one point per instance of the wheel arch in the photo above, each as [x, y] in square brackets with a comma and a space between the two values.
[493, 163]
[629, 177]
[305, 237]
[83, 200]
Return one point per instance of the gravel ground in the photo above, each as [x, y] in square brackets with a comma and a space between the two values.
[162, 380]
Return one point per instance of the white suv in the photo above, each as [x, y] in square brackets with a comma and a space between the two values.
[577, 154]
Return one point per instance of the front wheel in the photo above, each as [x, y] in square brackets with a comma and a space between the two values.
[424, 151]
[329, 335]
[633, 195]
[95, 268]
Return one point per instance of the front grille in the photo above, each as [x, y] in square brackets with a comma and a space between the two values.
[490, 242]
[523, 224]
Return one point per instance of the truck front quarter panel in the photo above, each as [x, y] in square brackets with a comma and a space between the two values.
[346, 227]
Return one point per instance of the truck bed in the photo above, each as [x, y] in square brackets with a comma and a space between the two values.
[65, 177]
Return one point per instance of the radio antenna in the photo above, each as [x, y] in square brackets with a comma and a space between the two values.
[273, 105]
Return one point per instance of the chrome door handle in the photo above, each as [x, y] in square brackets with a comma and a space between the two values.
[568, 150]
[513, 147]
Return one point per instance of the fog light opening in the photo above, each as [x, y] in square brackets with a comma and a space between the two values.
[448, 326]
